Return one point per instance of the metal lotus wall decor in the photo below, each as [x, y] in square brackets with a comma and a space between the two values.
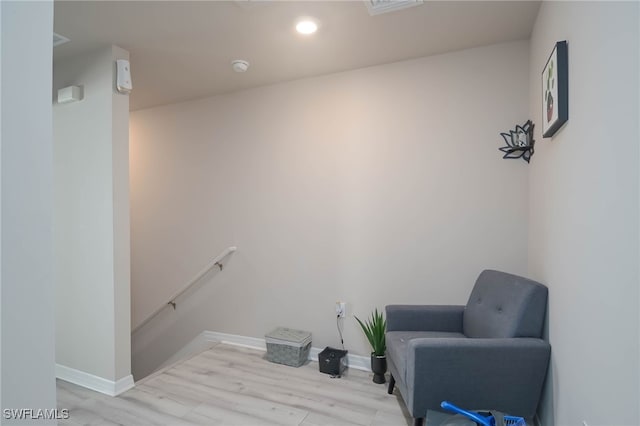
[555, 91]
[519, 142]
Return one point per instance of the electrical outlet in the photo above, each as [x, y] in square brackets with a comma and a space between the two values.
[341, 309]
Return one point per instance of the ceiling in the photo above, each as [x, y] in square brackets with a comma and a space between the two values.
[182, 50]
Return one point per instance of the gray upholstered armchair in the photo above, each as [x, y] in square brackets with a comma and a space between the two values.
[488, 354]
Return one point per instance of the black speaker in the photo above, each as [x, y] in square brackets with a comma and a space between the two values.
[332, 361]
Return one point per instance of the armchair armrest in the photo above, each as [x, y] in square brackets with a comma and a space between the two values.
[424, 318]
[498, 374]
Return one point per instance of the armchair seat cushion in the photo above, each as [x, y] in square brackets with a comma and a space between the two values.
[397, 342]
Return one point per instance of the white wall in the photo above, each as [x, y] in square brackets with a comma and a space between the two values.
[26, 278]
[92, 219]
[583, 234]
[375, 186]
[121, 227]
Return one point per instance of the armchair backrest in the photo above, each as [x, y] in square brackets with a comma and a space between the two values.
[503, 305]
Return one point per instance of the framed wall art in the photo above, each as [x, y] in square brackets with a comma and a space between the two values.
[555, 91]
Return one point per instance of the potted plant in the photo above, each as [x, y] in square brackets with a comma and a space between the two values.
[374, 328]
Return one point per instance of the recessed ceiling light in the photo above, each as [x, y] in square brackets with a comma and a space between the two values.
[306, 26]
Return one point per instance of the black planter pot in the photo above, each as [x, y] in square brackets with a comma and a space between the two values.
[379, 367]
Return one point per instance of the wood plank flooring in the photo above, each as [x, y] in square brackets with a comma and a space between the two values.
[230, 385]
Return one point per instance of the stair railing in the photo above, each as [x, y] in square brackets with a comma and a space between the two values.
[172, 301]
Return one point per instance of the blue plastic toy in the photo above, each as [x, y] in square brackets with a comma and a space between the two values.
[483, 420]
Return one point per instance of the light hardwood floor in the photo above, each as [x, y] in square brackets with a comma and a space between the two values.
[230, 385]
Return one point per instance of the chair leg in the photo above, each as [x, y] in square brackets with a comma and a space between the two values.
[418, 421]
[392, 383]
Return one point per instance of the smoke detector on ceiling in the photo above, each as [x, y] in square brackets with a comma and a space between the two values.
[240, 65]
[377, 7]
[58, 40]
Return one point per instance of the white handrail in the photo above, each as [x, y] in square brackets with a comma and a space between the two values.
[215, 262]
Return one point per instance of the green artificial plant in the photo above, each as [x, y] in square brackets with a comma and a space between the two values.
[374, 328]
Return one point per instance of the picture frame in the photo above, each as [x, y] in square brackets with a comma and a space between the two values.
[555, 90]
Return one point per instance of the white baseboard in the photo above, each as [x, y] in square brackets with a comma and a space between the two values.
[199, 344]
[357, 362]
[234, 339]
[96, 383]
[123, 385]
[195, 347]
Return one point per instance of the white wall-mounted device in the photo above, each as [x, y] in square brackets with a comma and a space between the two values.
[70, 94]
[123, 76]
